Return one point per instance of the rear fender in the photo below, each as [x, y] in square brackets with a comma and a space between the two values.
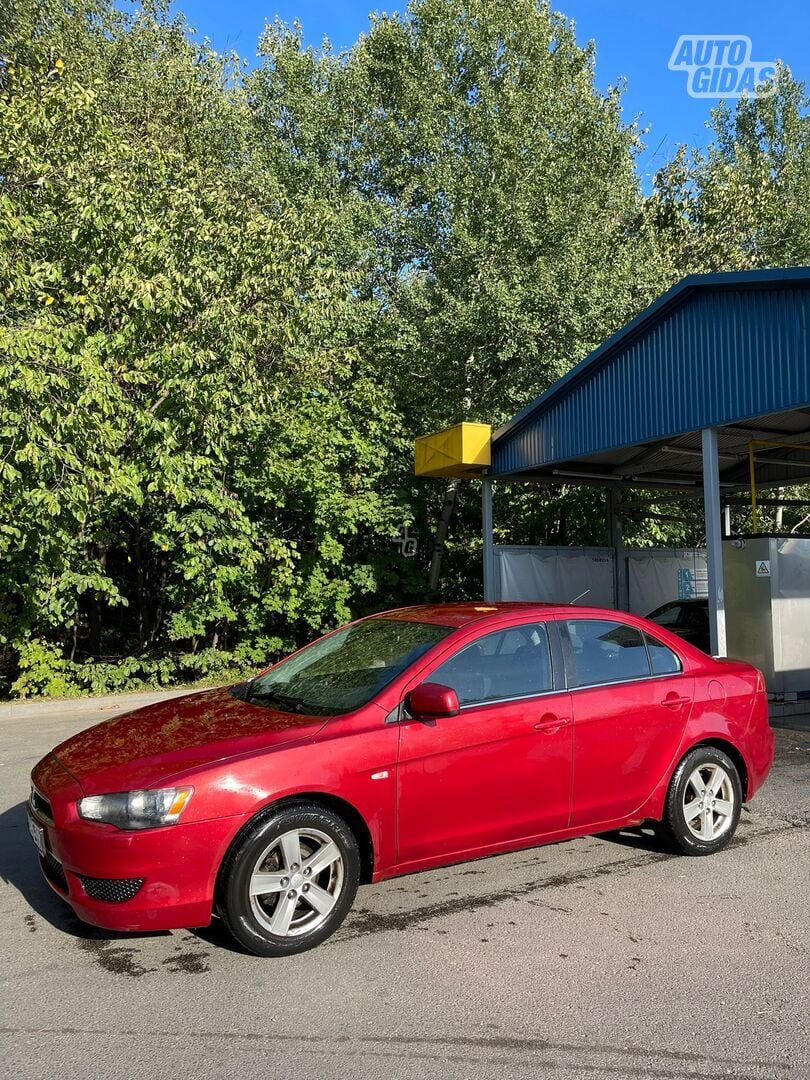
[716, 730]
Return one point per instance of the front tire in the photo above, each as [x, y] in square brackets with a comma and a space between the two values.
[703, 802]
[290, 880]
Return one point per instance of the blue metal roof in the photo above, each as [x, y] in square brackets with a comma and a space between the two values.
[716, 349]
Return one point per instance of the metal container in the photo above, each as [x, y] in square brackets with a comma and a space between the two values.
[767, 599]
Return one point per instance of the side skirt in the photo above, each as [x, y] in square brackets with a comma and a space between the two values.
[470, 854]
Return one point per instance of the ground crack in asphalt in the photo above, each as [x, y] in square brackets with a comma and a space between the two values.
[523, 1052]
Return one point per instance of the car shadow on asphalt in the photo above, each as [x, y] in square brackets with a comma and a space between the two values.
[217, 934]
[649, 837]
[19, 867]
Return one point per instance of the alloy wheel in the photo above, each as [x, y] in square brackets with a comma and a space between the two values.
[296, 882]
[708, 802]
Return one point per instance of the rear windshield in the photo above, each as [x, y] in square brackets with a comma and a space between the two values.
[341, 672]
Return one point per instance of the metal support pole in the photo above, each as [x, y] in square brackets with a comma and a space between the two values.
[714, 541]
[621, 587]
[489, 548]
[752, 472]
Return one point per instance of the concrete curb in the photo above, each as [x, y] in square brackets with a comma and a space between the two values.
[20, 710]
[791, 723]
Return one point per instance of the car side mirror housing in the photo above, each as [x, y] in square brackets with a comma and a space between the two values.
[430, 701]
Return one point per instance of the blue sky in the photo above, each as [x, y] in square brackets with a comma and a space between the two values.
[634, 39]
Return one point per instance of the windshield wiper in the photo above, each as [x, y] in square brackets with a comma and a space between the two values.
[242, 690]
[287, 703]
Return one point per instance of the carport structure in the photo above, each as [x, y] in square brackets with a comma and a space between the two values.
[705, 393]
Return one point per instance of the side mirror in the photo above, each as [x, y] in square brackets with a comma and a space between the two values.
[431, 700]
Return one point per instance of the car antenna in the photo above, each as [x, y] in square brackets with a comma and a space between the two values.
[579, 597]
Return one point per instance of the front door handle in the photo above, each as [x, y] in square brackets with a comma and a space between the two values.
[674, 701]
[551, 723]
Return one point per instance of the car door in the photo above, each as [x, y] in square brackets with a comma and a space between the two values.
[501, 769]
[630, 701]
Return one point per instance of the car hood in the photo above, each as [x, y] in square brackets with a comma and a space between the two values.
[140, 748]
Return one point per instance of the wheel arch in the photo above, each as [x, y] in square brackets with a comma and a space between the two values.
[350, 814]
[731, 751]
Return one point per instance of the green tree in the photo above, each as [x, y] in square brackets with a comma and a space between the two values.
[497, 185]
[193, 452]
[744, 202]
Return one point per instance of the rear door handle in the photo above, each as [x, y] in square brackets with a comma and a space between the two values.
[551, 723]
[674, 701]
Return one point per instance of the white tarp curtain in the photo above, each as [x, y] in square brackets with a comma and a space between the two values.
[563, 574]
[656, 577]
[558, 575]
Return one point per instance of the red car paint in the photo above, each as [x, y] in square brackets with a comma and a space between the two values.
[498, 777]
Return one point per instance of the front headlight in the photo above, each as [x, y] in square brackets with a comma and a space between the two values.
[137, 809]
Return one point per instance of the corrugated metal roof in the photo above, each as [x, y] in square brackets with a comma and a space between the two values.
[717, 349]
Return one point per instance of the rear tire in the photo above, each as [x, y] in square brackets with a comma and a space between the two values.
[290, 880]
[703, 802]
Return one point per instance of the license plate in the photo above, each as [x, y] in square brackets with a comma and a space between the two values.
[37, 834]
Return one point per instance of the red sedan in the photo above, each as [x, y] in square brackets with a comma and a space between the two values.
[407, 740]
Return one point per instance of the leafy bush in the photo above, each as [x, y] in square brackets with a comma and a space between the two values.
[43, 672]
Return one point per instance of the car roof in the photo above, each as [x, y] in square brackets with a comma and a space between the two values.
[459, 614]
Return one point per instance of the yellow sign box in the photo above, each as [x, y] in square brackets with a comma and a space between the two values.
[461, 450]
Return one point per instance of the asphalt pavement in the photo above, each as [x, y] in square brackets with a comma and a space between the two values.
[602, 957]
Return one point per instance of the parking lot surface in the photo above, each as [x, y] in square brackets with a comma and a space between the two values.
[601, 957]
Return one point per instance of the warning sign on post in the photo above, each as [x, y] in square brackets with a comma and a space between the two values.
[763, 567]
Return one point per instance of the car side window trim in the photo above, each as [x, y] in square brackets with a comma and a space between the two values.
[399, 712]
[515, 697]
[625, 682]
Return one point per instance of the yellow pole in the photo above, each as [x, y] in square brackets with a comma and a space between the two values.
[752, 474]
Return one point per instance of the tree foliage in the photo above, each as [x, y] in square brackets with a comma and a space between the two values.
[496, 185]
[194, 451]
[744, 203]
[230, 296]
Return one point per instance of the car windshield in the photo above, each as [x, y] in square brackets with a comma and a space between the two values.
[341, 672]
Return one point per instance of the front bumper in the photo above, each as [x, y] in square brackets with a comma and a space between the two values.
[144, 880]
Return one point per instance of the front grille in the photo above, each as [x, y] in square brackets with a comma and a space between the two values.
[40, 805]
[52, 869]
[113, 890]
